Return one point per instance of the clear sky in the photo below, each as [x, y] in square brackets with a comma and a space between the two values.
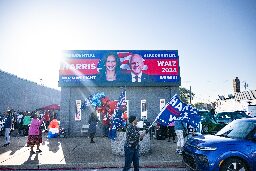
[216, 39]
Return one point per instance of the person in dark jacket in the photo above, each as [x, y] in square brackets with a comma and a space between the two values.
[92, 125]
[7, 127]
[131, 146]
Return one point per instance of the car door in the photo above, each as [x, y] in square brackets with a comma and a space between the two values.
[253, 149]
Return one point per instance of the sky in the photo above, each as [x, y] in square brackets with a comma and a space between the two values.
[216, 40]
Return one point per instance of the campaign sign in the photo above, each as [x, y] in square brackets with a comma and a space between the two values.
[119, 68]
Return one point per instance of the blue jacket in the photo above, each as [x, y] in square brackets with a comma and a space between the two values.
[8, 122]
[179, 125]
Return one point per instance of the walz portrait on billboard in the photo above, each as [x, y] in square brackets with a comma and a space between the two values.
[119, 68]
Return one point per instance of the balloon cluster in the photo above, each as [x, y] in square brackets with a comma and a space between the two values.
[93, 100]
[101, 103]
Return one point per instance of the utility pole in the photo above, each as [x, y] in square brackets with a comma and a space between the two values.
[190, 94]
[245, 85]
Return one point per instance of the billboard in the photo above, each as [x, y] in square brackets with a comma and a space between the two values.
[119, 68]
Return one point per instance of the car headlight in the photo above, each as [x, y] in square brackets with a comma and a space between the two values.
[207, 148]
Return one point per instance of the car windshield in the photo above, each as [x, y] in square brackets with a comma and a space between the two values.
[205, 115]
[237, 129]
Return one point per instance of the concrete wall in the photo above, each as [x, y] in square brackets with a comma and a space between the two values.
[20, 94]
[134, 94]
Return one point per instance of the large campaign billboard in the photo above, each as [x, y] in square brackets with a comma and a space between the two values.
[119, 68]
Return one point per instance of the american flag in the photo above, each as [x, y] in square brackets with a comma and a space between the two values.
[117, 118]
[125, 60]
[121, 99]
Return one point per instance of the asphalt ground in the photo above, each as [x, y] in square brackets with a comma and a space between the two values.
[77, 153]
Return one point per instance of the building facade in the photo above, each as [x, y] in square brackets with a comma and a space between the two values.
[78, 81]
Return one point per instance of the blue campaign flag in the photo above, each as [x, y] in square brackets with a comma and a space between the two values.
[190, 116]
[117, 118]
[171, 111]
[175, 109]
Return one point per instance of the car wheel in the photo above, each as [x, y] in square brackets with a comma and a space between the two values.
[234, 164]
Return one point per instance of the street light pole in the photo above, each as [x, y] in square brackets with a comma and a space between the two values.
[245, 85]
[190, 95]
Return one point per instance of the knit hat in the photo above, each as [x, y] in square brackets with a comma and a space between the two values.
[132, 118]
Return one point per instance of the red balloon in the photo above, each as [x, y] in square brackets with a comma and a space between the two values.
[104, 101]
[112, 106]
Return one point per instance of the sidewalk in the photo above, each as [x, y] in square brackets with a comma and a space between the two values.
[78, 153]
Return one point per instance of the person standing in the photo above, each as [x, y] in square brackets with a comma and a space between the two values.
[20, 122]
[171, 132]
[34, 133]
[26, 122]
[131, 146]
[47, 118]
[179, 130]
[7, 128]
[92, 125]
[105, 121]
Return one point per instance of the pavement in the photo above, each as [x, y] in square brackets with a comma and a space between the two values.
[77, 153]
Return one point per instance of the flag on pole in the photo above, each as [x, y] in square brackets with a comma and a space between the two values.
[121, 100]
[171, 111]
[117, 118]
[175, 109]
[190, 116]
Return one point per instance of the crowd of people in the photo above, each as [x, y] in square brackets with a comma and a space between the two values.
[30, 124]
[33, 124]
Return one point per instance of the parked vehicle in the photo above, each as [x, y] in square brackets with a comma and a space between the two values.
[252, 110]
[212, 123]
[232, 148]
[208, 123]
[227, 117]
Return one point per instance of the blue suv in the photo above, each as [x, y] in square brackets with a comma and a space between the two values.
[232, 148]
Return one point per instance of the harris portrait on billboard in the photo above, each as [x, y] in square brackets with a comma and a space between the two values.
[109, 68]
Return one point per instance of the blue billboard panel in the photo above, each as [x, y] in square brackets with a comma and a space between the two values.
[120, 68]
